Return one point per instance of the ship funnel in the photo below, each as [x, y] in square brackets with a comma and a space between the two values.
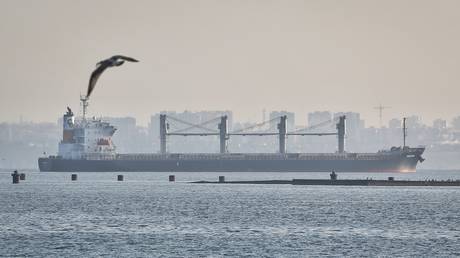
[68, 123]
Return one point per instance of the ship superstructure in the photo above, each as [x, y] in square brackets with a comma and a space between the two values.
[86, 138]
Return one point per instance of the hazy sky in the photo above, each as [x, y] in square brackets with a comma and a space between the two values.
[240, 55]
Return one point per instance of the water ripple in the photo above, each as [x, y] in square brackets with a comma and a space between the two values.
[144, 218]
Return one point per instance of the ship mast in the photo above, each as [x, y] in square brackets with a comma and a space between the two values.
[84, 103]
[404, 132]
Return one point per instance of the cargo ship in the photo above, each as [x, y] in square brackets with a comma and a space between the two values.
[87, 146]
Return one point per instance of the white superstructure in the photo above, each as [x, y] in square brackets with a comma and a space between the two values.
[86, 138]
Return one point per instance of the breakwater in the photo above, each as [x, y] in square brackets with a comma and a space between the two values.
[344, 182]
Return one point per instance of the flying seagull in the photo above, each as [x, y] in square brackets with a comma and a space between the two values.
[104, 64]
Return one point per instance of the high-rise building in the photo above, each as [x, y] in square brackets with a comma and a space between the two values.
[456, 123]
[318, 117]
[395, 123]
[354, 123]
[440, 124]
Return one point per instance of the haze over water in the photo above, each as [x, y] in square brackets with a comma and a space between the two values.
[48, 215]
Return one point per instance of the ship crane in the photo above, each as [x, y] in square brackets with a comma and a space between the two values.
[224, 135]
[165, 122]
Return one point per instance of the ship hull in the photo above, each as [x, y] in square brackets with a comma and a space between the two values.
[393, 164]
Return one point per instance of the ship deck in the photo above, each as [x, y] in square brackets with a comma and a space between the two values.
[257, 156]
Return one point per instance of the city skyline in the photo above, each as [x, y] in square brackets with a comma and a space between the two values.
[301, 120]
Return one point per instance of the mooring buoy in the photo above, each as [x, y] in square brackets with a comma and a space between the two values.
[15, 176]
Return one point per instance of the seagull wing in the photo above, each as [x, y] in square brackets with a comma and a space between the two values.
[94, 76]
[126, 58]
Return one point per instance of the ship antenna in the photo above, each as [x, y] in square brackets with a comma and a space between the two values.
[404, 132]
[84, 103]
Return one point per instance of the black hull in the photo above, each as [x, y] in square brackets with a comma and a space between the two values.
[394, 164]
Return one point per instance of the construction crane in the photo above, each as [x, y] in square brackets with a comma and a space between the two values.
[380, 108]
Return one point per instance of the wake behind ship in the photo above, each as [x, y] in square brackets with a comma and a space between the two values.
[87, 146]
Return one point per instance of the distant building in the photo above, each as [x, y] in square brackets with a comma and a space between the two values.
[395, 123]
[129, 137]
[22, 143]
[354, 124]
[318, 117]
[456, 123]
[440, 124]
[413, 122]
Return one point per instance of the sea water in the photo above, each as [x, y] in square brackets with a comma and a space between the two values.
[147, 216]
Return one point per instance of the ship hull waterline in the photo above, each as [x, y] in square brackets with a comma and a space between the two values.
[397, 164]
